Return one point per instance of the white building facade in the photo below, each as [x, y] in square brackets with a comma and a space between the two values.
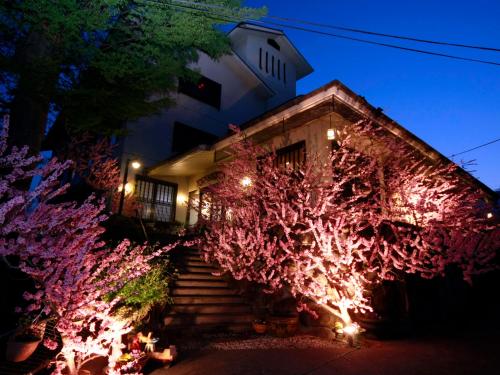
[259, 74]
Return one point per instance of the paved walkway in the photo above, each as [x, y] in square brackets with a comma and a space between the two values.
[473, 354]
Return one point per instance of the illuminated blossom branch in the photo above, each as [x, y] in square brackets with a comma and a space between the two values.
[58, 246]
[330, 228]
[95, 163]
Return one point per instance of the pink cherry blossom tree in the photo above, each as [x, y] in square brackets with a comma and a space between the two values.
[95, 163]
[329, 228]
[58, 245]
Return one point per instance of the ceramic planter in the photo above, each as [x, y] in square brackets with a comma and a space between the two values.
[260, 327]
[283, 326]
[18, 351]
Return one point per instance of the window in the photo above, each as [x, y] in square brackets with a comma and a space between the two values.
[272, 65]
[210, 209]
[260, 58]
[273, 44]
[204, 89]
[284, 72]
[267, 59]
[279, 69]
[293, 155]
[193, 207]
[186, 137]
[156, 199]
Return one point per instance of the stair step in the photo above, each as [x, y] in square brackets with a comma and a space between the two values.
[198, 263]
[203, 291]
[194, 258]
[204, 269]
[195, 300]
[217, 283]
[198, 276]
[211, 308]
[190, 319]
[182, 330]
[190, 251]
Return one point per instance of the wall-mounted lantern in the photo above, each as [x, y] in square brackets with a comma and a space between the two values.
[330, 134]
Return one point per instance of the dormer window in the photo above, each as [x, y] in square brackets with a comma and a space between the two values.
[273, 44]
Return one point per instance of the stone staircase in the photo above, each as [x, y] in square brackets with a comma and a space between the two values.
[204, 302]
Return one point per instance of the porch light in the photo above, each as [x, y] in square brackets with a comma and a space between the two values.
[135, 164]
[182, 199]
[128, 186]
[246, 181]
[489, 215]
[330, 134]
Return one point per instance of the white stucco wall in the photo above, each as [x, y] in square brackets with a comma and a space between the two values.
[243, 97]
[248, 50]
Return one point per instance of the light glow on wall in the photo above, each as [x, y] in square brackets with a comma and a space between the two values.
[182, 199]
[129, 188]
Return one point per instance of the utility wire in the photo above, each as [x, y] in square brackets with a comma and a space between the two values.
[361, 31]
[218, 17]
[475, 148]
[351, 29]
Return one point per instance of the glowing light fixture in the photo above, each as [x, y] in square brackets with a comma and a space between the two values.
[330, 134]
[135, 164]
[181, 199]
[129, 188]
[351, 329]
[246, 181]
[489, 215]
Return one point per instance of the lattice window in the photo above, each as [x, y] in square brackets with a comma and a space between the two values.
[156, 199]
[293, 156]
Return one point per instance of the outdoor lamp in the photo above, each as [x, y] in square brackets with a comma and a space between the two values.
[126, 187]
[351, 329]
[330, 134]
[246, 181]
[489, 215]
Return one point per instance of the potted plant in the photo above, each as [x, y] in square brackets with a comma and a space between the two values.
[284, 325]
[25, 340]
[259, 326]
[284, 320]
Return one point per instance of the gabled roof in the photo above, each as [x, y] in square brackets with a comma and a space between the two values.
[302, 66]
[332, 97]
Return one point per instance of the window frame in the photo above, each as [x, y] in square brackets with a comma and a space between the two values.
[213, 97]
[153, 202]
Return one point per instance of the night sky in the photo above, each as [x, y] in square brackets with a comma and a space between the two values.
[452, 105]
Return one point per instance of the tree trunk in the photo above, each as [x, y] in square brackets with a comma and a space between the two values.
[28, 120]
[37, 82]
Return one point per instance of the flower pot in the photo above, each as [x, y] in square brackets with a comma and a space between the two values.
[260, 327]
[18, 351]
[283, 326]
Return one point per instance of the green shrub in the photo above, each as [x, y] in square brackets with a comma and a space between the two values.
[140, 295]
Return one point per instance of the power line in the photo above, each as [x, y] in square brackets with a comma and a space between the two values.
[385, 35]
[475, 148]
[219, 17]
[353, 30]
